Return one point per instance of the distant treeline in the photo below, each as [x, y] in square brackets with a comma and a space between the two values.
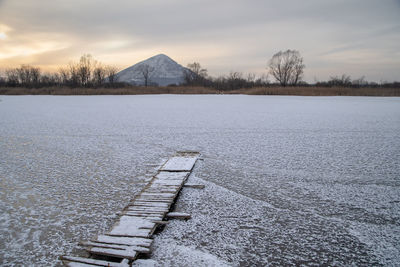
[286, 68]
[142, 90]
[88, 72]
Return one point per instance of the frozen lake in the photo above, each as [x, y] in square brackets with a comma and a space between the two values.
[289, 180]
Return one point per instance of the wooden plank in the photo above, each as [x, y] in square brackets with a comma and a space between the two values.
[198, 186]
[147, 209]
[132, 241]
[115, 246]
[178, 215]
[132, 226]
[148, 217]
[93, 262]
[118, 253]
[180, 163]
[171, 176]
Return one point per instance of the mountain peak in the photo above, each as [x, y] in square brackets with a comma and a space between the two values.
[162, 56]
[165, 71]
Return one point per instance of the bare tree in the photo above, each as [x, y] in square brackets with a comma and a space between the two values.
[146, 70]
[195, 74]
[111, 73]
[12, 77]
[99, 74]
[73, 74]
[287, 67]
[251, 77]
[35, 75]
[85, 69]
[196, 68]
[344, 80]
[28, 75]
[63, 74]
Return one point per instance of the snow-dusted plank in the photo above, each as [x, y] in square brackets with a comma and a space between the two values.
[179, 215]
[114, 246]
[199, 186]
[148, 209]
[125, 254]
[171, 176]
[180, 163]
[157, 200]
[161, 189]
[132, 241]
[158, 194]
[150, 204]
[148, 217]
[79, 261]
[132, 226]
[167, 183]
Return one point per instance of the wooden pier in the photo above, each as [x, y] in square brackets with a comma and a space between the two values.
[132, 234]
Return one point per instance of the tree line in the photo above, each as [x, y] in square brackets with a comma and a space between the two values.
[87, 72]
[286, 68]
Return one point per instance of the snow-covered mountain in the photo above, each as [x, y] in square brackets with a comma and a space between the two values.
[163, 71]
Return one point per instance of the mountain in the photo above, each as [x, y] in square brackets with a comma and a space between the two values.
[163, 71]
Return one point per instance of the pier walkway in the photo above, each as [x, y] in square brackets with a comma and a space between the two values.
[132, 234]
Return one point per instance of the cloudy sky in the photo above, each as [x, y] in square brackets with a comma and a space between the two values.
[356, 37]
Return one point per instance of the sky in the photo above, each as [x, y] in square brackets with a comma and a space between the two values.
[355, 37]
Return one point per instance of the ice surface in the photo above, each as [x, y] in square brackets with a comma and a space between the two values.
[289, 180]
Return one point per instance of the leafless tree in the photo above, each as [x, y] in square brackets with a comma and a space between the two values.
[28, 75]
[344, 80]
[99, 74]
[64, 76]
[251, 77]
[194, 74]
[35, 75]
[287, 67]
[85, 69]
[196, 68]
[111, 74]
[146, 71]
[74, 79]
[12, 77]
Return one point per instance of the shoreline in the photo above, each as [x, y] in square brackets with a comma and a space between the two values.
[295, 91]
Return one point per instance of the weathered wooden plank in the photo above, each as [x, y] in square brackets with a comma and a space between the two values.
[149, 204]
[147, 209]
[178, 215]
[132, 241]
[158, 211]
[132, 226]
[147, 217]
[180, 163]
[158, 194]
[92, 262]
[171, 176]
[118, 253]
[199, 186]
[114, 246]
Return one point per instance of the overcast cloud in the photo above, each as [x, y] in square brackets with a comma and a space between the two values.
[357, 37]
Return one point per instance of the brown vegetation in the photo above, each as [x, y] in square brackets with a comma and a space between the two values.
[133, 90]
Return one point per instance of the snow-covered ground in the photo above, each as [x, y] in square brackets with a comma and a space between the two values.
[289, 180]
